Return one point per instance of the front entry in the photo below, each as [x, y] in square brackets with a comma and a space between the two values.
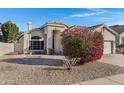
[57, 46]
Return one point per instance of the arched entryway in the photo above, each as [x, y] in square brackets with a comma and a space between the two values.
[57, 42]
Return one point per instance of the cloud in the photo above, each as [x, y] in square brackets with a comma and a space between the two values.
[101, 16]
[97, 10]
[106, 18]
[93, 12]
[87, 14]
[105, 11]
[118, 13]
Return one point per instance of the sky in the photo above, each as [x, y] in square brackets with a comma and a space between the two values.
[70, 16]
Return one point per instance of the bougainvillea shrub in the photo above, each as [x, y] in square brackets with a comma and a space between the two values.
[82, 44]
[97, 51]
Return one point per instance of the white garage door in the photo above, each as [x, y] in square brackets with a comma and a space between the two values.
[107, 48]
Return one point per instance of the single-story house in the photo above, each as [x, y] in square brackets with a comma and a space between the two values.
[48, 36]
[120, 30]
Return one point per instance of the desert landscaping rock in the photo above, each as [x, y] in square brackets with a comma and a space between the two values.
[25, 72]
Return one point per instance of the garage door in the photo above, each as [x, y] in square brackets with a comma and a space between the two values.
[107, 48]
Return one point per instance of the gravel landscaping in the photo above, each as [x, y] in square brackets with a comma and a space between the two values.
[34, 71]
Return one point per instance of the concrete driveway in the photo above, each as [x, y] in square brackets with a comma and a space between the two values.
[115, 59]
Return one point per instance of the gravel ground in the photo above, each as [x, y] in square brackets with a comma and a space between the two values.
[33, 70]
[22, 73]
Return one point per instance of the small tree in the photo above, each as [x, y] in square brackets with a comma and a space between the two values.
[81, 44]
[10, 31]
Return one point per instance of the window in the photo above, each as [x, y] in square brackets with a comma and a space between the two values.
[0, 38]
[35, 37]
[36, 43]
[122, 39]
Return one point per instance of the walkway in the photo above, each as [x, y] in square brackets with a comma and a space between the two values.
[115, 59]
[111, 80]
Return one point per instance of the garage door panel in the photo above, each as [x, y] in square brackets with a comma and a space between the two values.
[107, 48]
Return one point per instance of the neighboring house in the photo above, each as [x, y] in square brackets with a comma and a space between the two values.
[110, 37]
[48, 36]
[120, 30]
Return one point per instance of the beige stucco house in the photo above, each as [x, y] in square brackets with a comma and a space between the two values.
[110, 38]
[42, 39]
[48, 36]
[120, 30]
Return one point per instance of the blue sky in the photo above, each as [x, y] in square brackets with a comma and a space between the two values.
[70, 16]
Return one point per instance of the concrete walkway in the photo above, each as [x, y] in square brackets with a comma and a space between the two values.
[115, 59]
[111, 80]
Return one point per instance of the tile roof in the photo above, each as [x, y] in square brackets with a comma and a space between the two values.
[35, 29]
[54, 23]
[95, 26]
[110, 29]
[118, 28]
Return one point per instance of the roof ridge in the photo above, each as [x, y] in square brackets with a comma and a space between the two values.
[97, 25]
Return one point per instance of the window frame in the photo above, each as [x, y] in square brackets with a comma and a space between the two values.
[39, 43]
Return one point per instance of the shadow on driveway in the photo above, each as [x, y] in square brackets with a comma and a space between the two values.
[34, 61]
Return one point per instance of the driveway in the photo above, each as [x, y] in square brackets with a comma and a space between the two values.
[114, 59]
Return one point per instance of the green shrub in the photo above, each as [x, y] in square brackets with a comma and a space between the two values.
[121, 46]
[50, 51]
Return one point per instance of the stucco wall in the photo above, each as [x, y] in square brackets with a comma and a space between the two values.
[22, 45]
[26, 42]
[108, 36]
[58, 45]
[6, 48]
[19, 45]
[36, 33]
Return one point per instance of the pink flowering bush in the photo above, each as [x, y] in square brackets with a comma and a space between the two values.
[81, 44]
[97, 50]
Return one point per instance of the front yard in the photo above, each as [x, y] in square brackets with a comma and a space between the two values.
[50, 70]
